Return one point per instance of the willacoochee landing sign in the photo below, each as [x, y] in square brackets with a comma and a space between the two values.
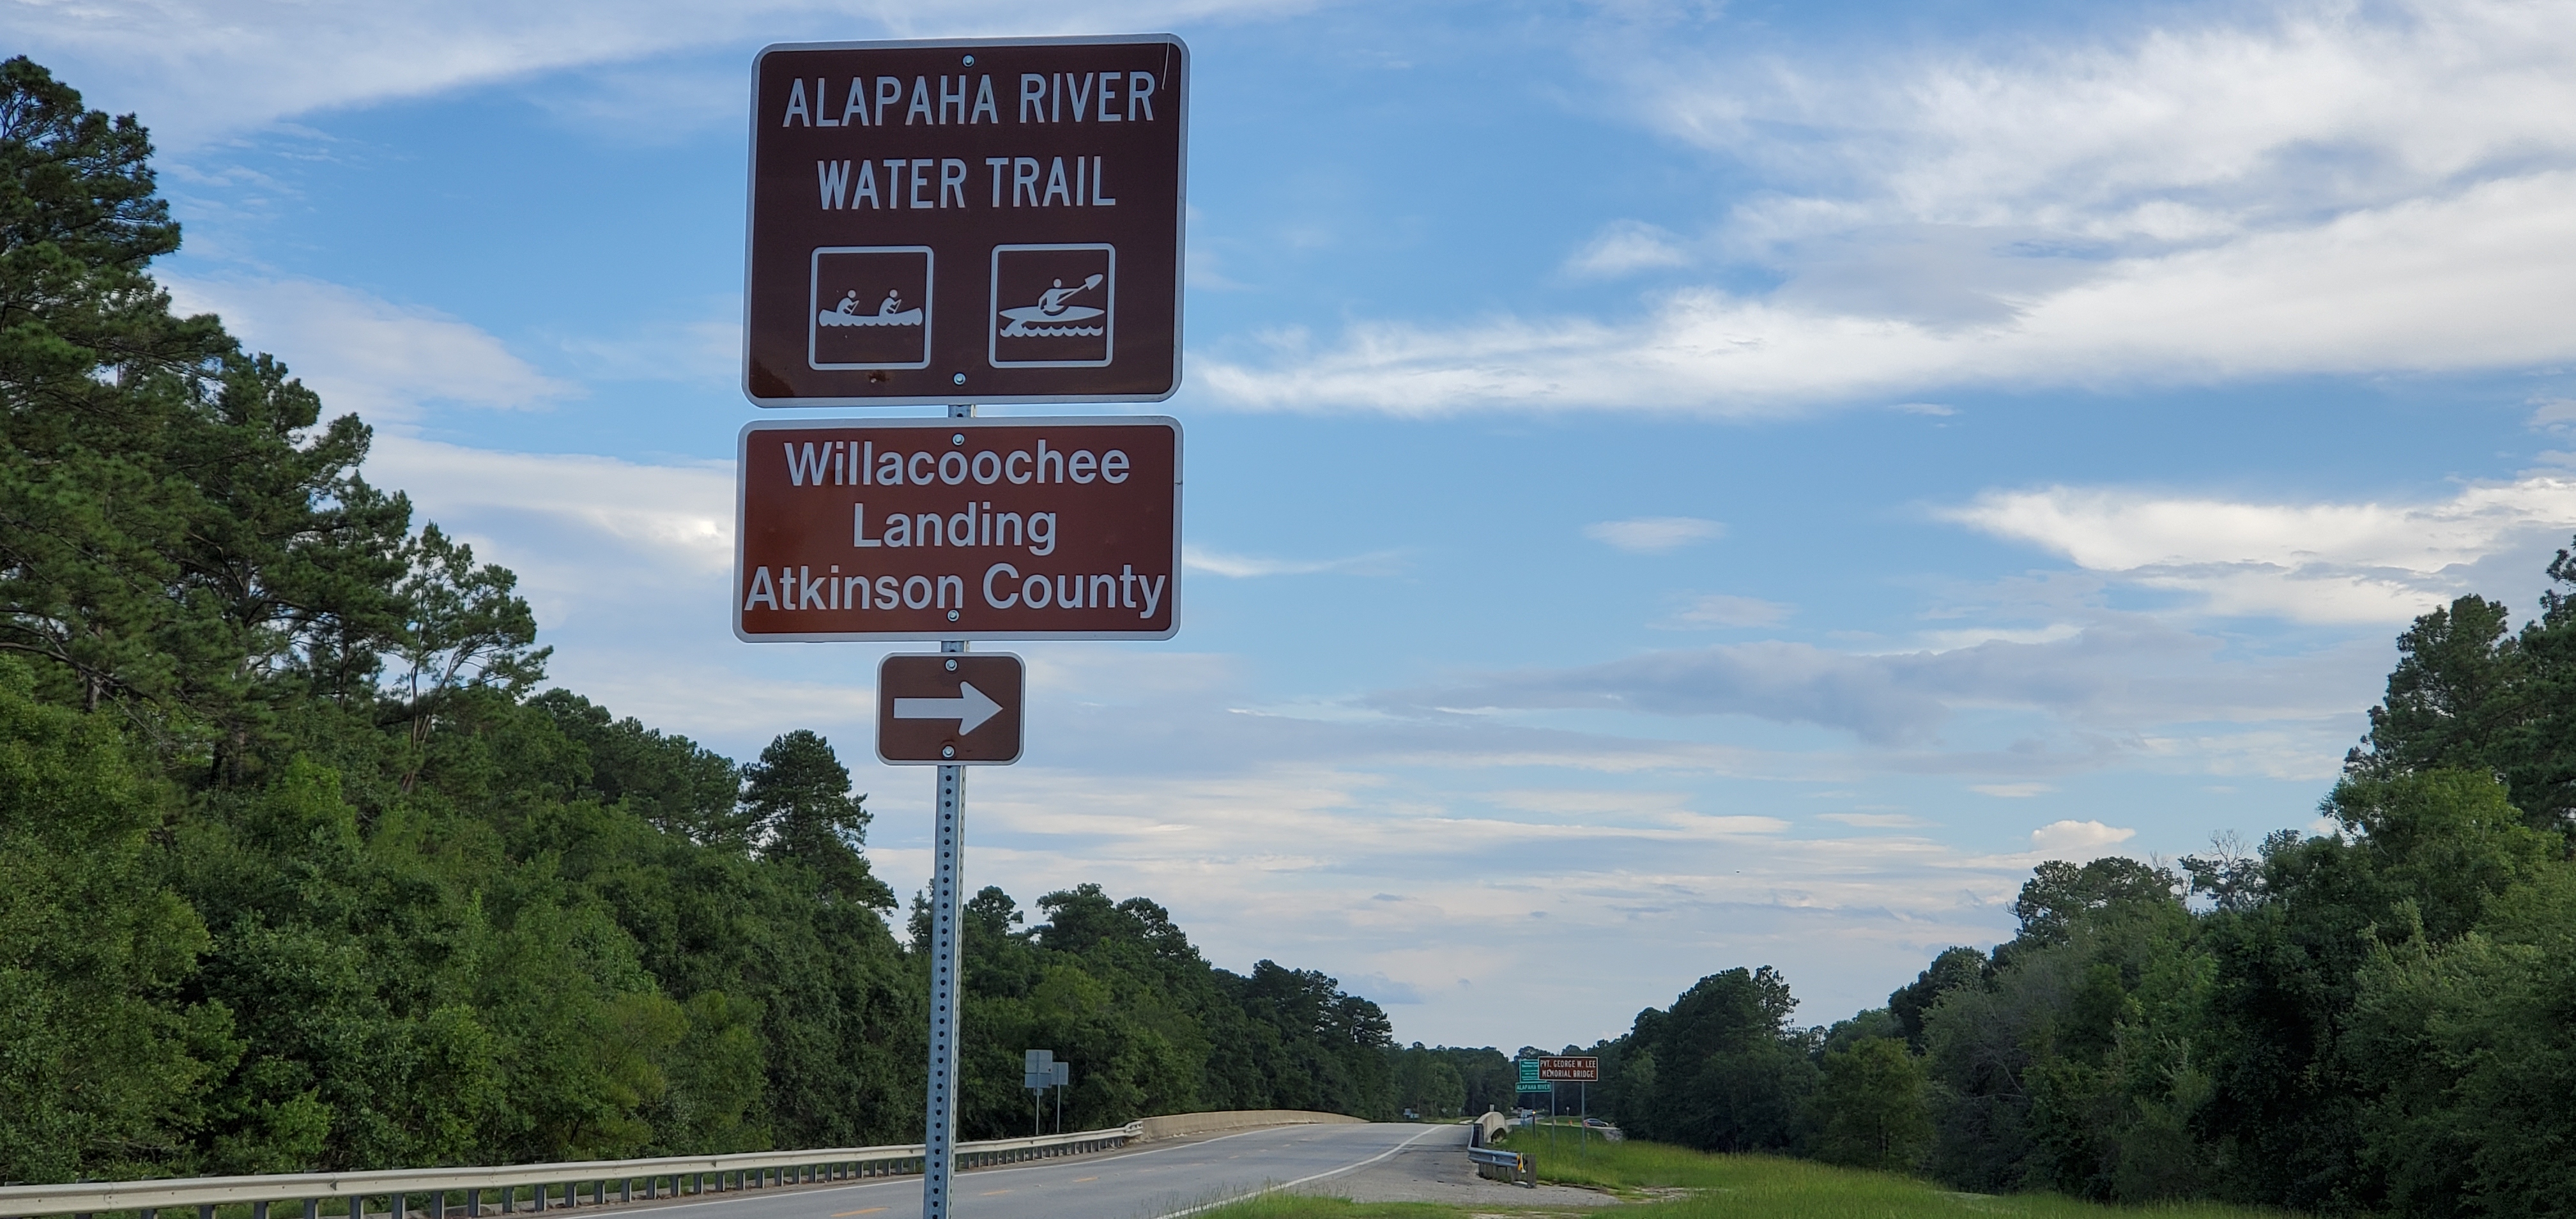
[1062, 528]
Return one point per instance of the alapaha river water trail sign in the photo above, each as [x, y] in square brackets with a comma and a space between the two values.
[988, 222]
[939, 224]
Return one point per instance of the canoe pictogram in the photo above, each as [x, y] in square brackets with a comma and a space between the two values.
[890, 312]
[1051, 317]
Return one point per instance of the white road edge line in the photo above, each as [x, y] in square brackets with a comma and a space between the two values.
[914, 1179]
[1272, 1189]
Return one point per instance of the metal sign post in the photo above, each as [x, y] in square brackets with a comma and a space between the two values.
[1038, 1072]
[947, 962]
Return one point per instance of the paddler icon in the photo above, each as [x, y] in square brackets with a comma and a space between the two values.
[1051, 317]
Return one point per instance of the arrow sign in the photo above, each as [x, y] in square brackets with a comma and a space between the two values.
[950, 708]
[970, 708]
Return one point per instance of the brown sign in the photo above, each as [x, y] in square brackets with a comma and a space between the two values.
[957, 709]
[966, 222]
[958, 529]
[1569, 1070]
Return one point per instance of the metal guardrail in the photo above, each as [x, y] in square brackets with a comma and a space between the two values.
[424, 1193]
[1518, 1166]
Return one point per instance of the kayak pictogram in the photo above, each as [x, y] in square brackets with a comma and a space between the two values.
[1054, 306]
[1051, 317]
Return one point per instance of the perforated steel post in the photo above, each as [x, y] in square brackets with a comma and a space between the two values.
[947, 956]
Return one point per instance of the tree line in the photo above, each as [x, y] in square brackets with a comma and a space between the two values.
[2381, 1019]
[302, 869]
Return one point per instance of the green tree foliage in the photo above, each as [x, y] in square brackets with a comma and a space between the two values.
[2379, 1020]
[102, 1064]
[298, 871]
[1870, 1106]
[1721, 1069]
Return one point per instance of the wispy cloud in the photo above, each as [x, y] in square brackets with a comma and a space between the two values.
[2012, 791]
[2122, 672]
[1624, 246]
[201, 69]
[2309, 562]
[2311, 189]
[1654, 534]
[1216, 562]
[1721, 609]
[363, 353]
[1877, 821]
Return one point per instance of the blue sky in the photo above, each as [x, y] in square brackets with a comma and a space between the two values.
[1670, 486]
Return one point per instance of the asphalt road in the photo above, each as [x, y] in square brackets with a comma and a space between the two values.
[1151, 1182]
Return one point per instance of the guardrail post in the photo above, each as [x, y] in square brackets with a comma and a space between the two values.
[312, 1208]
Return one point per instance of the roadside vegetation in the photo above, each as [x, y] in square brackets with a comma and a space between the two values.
[2379, 1018]
[1658, 1181]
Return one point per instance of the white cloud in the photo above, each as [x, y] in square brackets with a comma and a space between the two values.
[1877, 821]
[2330, 189]
[1933, 409]
[1623, 246]
[365, 354]
[2556, 415]
[1654, 534]
[1721, 609]
[2462, 281]
[1216, 562]
[2172, 132]
[2012, 791]
[2311, 562]
[2078, 838]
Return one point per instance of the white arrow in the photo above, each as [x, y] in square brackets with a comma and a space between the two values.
[970, 708]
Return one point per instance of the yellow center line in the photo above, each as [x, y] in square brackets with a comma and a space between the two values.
[1075, 1181]
[990, 1192]
[870, 1211]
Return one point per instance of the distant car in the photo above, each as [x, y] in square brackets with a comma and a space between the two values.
[1597, 1123]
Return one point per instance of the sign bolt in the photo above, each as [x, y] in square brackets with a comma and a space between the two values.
[952, 614]
[958, 438]
[948, 751]
[959, 379]
[952, 666]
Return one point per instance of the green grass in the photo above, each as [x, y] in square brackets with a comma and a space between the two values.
[1667, 1182]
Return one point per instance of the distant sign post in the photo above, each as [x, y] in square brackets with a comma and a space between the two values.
[989, 222]
[1584, 1070]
